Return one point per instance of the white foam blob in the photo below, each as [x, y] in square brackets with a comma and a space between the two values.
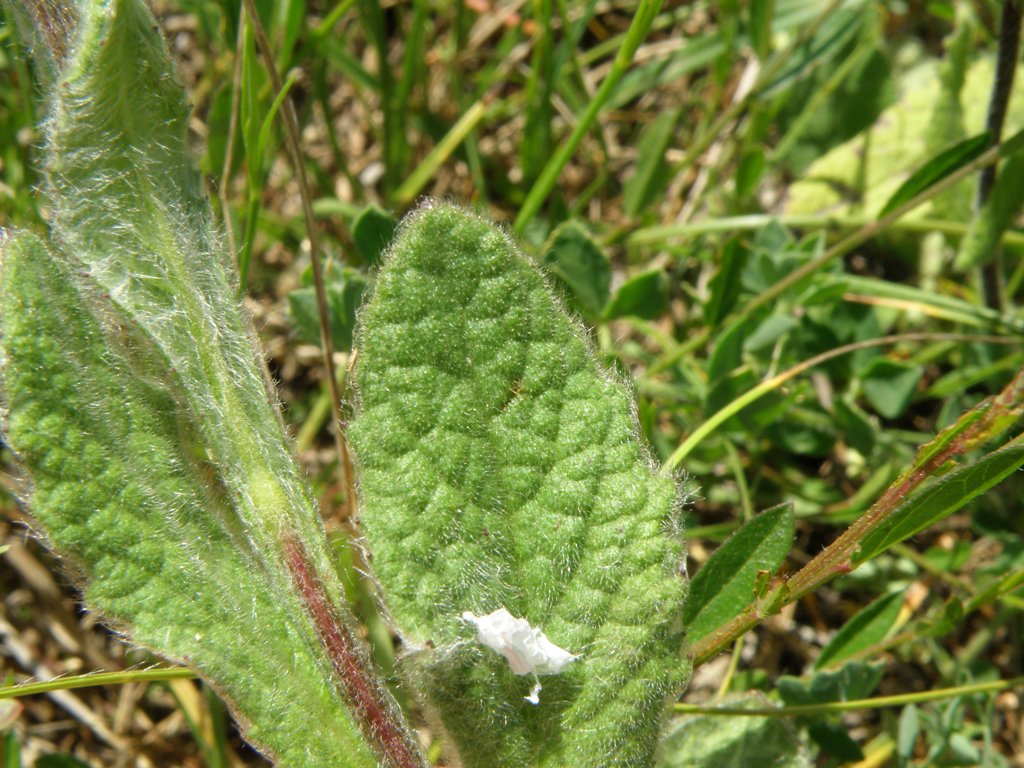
[527, 649]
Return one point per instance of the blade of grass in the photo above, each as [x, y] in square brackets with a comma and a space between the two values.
[372, 16]
[765, 77]
[325, 27]
[95, 679]
[664, 233]
[256, 176]
[644, 17]
[537, 139]
[437, 156]
[820, 98]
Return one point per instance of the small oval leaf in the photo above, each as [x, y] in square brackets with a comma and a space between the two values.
[725, 585]
[870, 625]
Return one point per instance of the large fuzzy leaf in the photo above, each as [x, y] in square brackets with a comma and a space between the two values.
[500, 467]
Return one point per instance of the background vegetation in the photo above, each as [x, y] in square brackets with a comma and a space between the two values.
[711, 198]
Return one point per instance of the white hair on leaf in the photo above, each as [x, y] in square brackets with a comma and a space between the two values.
[527, 649]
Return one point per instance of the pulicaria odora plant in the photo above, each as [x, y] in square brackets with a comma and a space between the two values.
[516, 525]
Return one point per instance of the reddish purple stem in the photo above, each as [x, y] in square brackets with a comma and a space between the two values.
[378, 717]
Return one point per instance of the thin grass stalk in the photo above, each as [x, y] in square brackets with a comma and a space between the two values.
[291, 125]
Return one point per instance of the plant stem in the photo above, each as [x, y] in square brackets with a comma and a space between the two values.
[770, 385]
[291, 125]
[661, 234]
[57, 20]
[833, 707]
[1006, 68]
[377, 715]
[96, 678]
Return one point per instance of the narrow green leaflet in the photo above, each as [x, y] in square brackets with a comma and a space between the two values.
[135, 401]
[869, 626]
[907, 731]
[500, 468]
[725, 585]
[652, 173]
[936, 169]
[946, 496]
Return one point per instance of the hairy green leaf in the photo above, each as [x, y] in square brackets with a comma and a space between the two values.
[500, 468]
[123, 489]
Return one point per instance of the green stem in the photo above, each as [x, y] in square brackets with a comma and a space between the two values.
[663, 234]
[986, 420]
[773, 383]
[853, 705]
[96, 678]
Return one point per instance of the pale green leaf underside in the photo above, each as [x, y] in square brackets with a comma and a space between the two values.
[719, 741]
[136, 402]
[160, 552]
[499, 467]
